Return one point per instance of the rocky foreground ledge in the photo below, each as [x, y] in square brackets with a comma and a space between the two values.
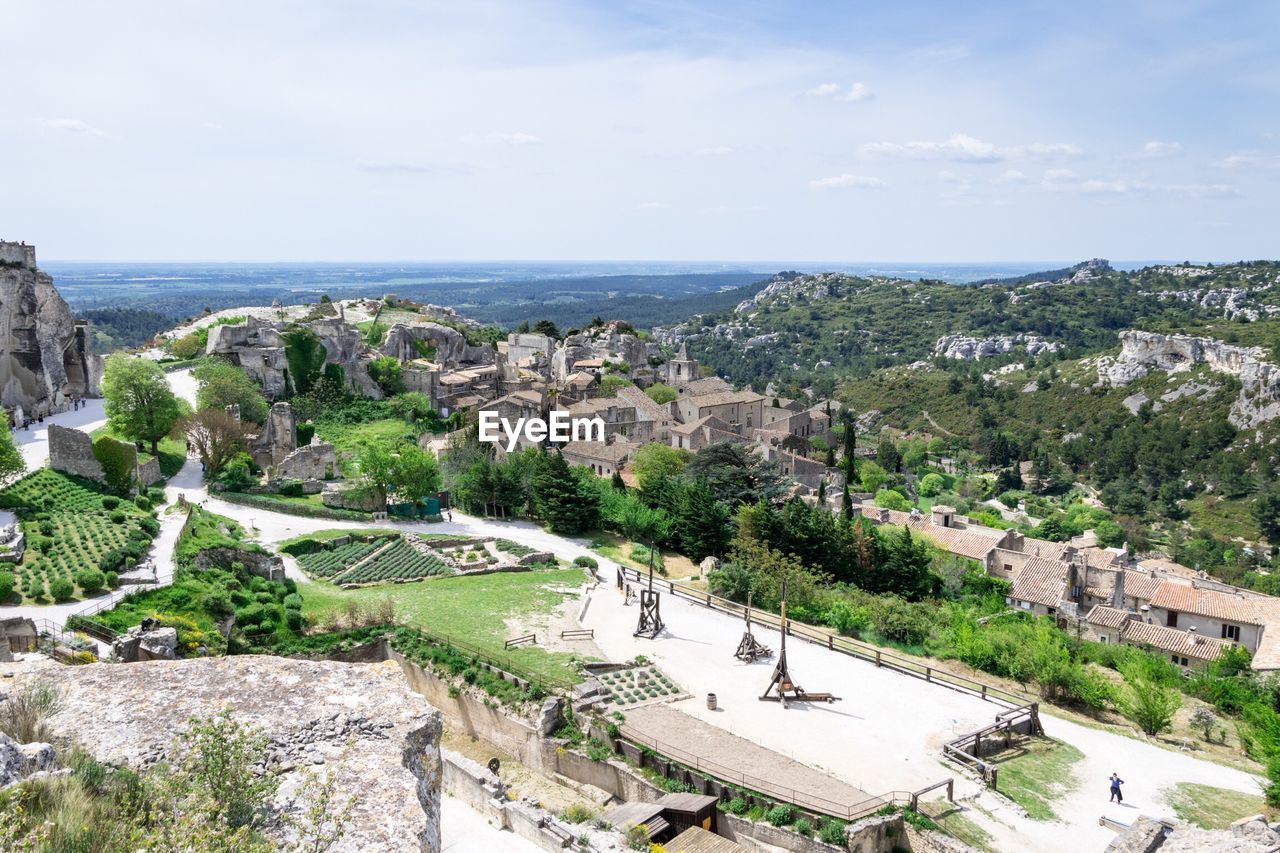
[361, 721]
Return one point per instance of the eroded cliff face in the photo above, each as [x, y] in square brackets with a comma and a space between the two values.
[360, 721]
[1141, 352]
[45, 356]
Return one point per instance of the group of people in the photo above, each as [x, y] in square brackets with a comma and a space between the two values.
[77, 403]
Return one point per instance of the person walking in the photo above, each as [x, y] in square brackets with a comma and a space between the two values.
[1116, 782]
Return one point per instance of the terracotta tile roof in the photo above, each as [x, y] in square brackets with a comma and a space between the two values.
[1267, 656]
[1186, 598]
[1107, 617]
[596, 450]
[706, 386]
[693, 426]
[1140, 585]
[966, 543]
[1173, 641]
[1041, 581]
[725, 398]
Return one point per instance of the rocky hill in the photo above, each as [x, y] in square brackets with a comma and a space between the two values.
[46, 357]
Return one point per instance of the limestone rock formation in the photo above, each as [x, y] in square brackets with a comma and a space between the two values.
[965, 348]
[1141, 352]
[45, 354]
[1248, 835]
[360, 721]
[258, 347]
[19, 761]
[447, 346]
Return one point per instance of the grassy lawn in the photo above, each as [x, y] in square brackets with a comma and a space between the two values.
[953, 821]
[470, 609]
[346, 438]
[339, 532]
[172, 451]
[1212, 808]
[302, 500]
[1037, 772]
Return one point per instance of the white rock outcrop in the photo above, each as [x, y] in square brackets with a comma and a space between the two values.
[361, 722]
[45, 354]
[966, 348]
[1142, 352]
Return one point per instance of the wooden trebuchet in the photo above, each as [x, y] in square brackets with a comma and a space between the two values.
[787, 689]
[749, 648]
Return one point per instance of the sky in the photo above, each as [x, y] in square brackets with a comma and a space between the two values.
[317, 130]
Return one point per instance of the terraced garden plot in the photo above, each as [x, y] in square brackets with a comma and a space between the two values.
[397, 562]
[638, 685]
[327, 563]
[71, 526]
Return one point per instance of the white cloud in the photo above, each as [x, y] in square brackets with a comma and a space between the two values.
[1249, 160]
[515, 138]
[962, 148]
[951, 178]
[1064, 180]
[855, 93]
[847, 181]
[1012, 176]
[715, 151]
[651, 205]
[410, 167]
[71, 125]
[1204, 190]
[1155, 148]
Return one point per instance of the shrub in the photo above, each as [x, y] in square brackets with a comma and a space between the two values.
[90, 580]
[586, 562]
[117, 517]
[110, 502]
[293, 619]
[779, 815]
[293, 601]
[831, 831]
[803, 827]
[577, 813]
[736, 806]
[61, 589]
[112, 579]
[291, 488]
[6, 585]
[142, 502]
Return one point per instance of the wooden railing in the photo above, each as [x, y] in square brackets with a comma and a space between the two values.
[835, 642]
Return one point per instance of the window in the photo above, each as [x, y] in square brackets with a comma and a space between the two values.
[1008, 567]
[1231, 632]
[1172, 619]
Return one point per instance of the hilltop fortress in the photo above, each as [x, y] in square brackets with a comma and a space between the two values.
[45, 354]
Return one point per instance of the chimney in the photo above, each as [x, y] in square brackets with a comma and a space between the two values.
[1117, 591]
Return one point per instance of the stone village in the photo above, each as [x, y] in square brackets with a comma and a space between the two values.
[658, 738]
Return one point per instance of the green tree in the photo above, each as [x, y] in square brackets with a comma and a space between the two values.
[563, 500]
[905, 570]
[889, 499]
[548, 328]
[887, 454]
[703, 523]
[385, 371]
[931, 485]
[735, 474]
[221, 383]
[11, 461]
[138, 400]
[652, 463]
[1147, 702]
[414, 474]
[661, 394]
[305, 354]
[1266, 512]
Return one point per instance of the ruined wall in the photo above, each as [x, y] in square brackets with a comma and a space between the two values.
[71, 451]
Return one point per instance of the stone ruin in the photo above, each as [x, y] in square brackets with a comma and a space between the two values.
[46, 356]
[258, 347]
[71, 451]
[147, 641]
[275, 450]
